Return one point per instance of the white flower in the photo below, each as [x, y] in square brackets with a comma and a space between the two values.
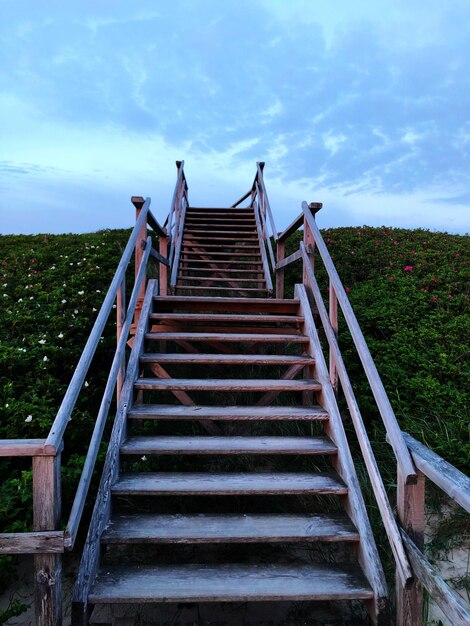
[20, 300]
[86, 384]
[29, 418]
[26, 287]
[94, 309]
[42, 341]
[70, 263]
[97, 267]
[60, 335]
[75, 311]
[45, 359]
[144, 458]
[80, 293]
[98, 291]
[7, 405]
[114, 306]
[64, 301]
[5, 284]
[5, 295]
[53, 267]
[31, 297]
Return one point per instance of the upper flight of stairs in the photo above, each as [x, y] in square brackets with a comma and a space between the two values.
[235, 483]
[221, 254]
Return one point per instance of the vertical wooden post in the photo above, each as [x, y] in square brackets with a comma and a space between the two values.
[410, 507]
[163, 269]
[333, 310]
[281, 255]
[138, 202]
[120, 317]
[46, 516]
[309, 242]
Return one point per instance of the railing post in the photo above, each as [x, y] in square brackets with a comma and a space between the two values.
[281, 255]
[46, 516]
[120, 317]
[410, 508]
[138, 202]
[163, 269]
[309, 239]
[333, 314]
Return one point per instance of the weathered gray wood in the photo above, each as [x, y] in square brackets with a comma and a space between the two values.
[268, 397]
[195, 336]
[292, 258]
[62, 419]
[153, 223]
[46, 542]
[244, 197]
[267, 274]
[378, 487]
[220, 303]
[229, 528]
[227, 359]
[206, 583]
[292, 228]
[267, 204]
[217, 279]
[156, 255]
[25, 447]
[100, 422]
[228, 484]
[451, 480]
[228, 445]
[226, 317]
[227, 384]
[239, 289]
[178, 245]
[264, 228]
[91, 553]
[448, 601]
[367, 551]
[174, 412]
[46, 517]
[280, 255]
[383, 403]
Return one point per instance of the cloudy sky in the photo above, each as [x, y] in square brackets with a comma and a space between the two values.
[362, 105]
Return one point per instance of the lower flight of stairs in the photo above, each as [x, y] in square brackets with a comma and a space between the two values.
[234, 485]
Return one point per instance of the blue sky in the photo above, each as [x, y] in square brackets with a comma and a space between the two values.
[362, 105]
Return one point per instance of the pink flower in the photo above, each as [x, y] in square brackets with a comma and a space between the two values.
[408, 268]
[435, 280]
[458, 254]
[347, 289]
[390, 278]
[434, 298]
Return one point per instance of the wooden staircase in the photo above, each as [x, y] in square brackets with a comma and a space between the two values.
[228, 476]
[221, 254]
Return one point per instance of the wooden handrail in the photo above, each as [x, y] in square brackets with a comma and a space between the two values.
[266, 237]
[180, 166]
[26, 447]
[381, 497]
[264, 258]
[178, 245]
[447, 477]
[260, 168]
[100, 422]
[395, 436]
[291, 229]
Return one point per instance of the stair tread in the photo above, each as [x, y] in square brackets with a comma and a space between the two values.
[228, 528]
[226, 384]
[225, 317]
[177, 411]
[252, 359]
[229, 582]
[195, 336]
[227, 445]
[240, 289]
[225, 279]
[225, 483]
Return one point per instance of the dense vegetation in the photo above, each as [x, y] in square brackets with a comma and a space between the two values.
[409, 289]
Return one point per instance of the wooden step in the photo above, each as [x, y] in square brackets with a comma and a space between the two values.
[202, 221]
[211, 279]
[240, 289]
[223, 583]
[227, 359]
[227, 384]
[237, 337]
[227, 445]
[217, 270]
[216, 210]
[219, 304]
[188, 245]
[226, 528]
[218, 262]
[227, 413]
[195, 231]
[221, 253]
[199, 483]
[226, 317]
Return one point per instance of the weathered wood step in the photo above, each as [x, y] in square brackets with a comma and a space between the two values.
[211, 279]
[227, 445]
[226, 317]
[227, 528]
[228, 384]
[211, 288]
[230, 413]
[227, 359]
[221, 253]
[199, 483]
[236, 243]
[224, 583]
[214, 231]
[218, 263]
[217, 270]
[219, 304]
[201, 221]
[241, 337]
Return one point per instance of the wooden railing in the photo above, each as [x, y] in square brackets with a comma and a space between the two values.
[176, 220]
[46, 541]
[413, 459]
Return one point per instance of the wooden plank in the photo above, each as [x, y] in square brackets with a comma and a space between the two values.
[289, 374]
[292, 258]
[244, 305]
[198, 483]
[448, 601]
[229, 528]
[240, 200]
[385, 408]
[25, 447]
[228, 445]
[189, 252]
[219, 262]
[210, 328]
[228, 233]
[45, 542]
[224, 279]
[447, 477]
[273, 413]
[226, 271]
[226, 317]
[195, 336]
[228, 384]
[239, 289]
[264, 258]
[223, 583]
[292, 228]
[227, 359]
